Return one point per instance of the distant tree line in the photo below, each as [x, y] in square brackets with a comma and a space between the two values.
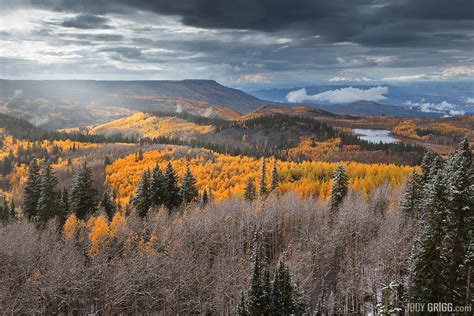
[197, 119]
[225, 149]
[22, 129]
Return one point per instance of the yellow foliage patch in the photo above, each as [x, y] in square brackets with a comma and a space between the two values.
[226, 175]
[148, 125]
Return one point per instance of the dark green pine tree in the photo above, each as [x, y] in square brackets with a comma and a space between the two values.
[4, 216]
[107, 161]
[142, 198]
[412, 200]
[31, 190]
[457, 244]
[204, 198]
[139, 156]
[107, 204]
[274, 179]
[12, 210]
[249, 191]
[426, 263]
[64, 207]
[339, 187]
[267, 292]
[242, 308]
[158, 189]
[6, 207]
[48, 198]
[287, 298]
[256, 298]
[262, 189]
[172, 197]
[83, 194]
[281, 291]
[4, 211]
[300, 304]
[188, 191]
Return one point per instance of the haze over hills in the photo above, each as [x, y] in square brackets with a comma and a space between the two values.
[71, 103]
[363, 107]
[195, 90]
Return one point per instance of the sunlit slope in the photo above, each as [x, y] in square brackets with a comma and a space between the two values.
[272, 109]
[148, 125]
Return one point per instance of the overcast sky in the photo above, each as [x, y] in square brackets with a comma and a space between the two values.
[242, 43]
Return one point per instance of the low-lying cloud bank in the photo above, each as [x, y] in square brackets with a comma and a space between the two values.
[443, 107]
[338, 96]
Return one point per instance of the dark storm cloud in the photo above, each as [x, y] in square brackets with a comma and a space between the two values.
[432, 9]
[87, 21]
[231, 39]
[335, 20]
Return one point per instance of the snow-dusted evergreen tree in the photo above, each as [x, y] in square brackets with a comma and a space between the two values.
[412, 199]
[188, 190]
[426, 165]
[64, 207]
[47, 207]
[83, 194]
[339, 187]
[274, 179]
[267, 291]
[172, 197]
[12, 211]
[256, 297]
[287, 298]
[204, 198]
[107, 204]
[158, 189]
[5, 214]
[249, 191]
[426, 257]
[31, 190]
[262, 189]
[142, 197]
[459, 224]
[242, 309]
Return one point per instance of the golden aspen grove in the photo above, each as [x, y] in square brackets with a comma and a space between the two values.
[225, 176]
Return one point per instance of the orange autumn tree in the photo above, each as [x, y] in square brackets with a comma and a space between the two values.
[99, 235]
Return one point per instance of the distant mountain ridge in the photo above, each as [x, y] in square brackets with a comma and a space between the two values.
[60, 104]
[90, 90]
[373, 108]
[419, 99]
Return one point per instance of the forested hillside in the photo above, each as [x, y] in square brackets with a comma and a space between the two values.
[72, 249]
[112, 223]
[303, 135]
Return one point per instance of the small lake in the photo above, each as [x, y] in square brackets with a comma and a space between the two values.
[375, 135]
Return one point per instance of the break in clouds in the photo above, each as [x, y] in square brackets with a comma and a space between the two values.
[240, 43]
